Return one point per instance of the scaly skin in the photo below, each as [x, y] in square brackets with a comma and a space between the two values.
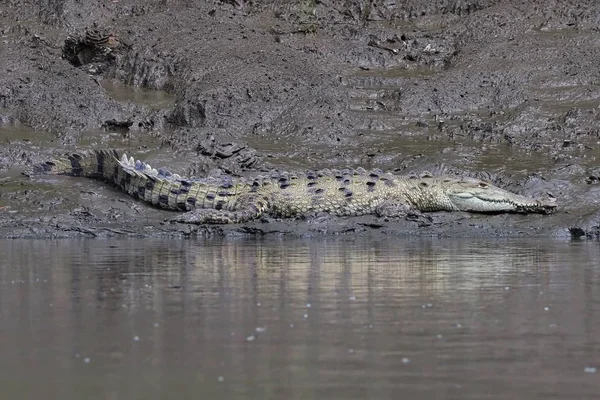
[342, 193]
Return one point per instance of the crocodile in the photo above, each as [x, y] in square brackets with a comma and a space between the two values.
[348, 192]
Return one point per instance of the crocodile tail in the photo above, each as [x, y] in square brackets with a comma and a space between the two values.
[103, 165]
[98, 164]
[159, 187]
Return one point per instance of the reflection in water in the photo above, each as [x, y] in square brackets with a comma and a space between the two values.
[300, 319]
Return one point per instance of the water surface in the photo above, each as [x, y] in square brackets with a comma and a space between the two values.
[299, 319]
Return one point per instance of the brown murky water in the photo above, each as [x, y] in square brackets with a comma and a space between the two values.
[299, 319]
[156, 99]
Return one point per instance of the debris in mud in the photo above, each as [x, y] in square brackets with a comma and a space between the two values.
[94, 48]
[242, 156]
[210, 147]
[121, 126]
[593, 177]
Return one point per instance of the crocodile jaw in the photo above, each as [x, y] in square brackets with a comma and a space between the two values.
[500, 202]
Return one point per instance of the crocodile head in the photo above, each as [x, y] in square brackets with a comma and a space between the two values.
[470, 194]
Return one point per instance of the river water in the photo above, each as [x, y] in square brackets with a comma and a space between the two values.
[300, 319]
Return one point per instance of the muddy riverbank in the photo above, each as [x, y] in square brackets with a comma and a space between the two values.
[507, 89]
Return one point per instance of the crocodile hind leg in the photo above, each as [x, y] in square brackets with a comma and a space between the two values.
[246, 209]
[209, 216]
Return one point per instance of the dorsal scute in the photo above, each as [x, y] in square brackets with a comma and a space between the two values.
[226, 182]
[164, 173]
[139, 166]
[311, 175]
[257, 181]
[375, 173]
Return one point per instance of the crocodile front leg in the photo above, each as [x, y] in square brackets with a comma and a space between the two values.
[391, 209]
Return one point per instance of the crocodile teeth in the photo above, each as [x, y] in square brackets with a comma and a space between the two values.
[124, 159]
[131, 161]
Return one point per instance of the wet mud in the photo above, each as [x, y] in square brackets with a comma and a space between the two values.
[506, 90]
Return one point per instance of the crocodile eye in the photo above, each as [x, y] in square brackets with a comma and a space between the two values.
[483, 185]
